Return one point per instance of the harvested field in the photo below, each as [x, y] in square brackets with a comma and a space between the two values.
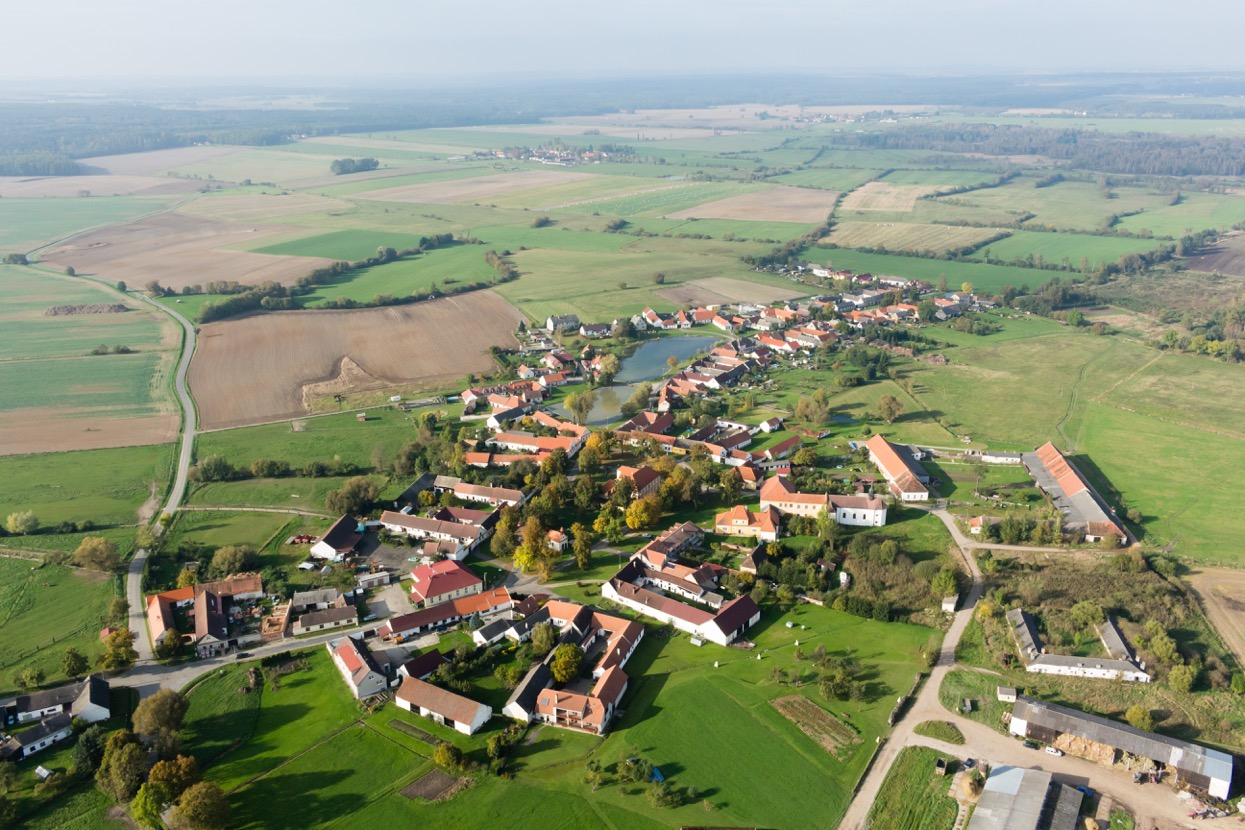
[179, 250]
[828, 731]
[1226, 257]
[719, 290]
[769, 204]
[156, 162]
[884, 196]
[14, 187]
[900, 236]
[435, 785]
[257, 207]
[471, 190]
[267, 367]
[1222, 591]
[55, 430]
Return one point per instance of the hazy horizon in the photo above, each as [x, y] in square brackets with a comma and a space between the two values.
[316, 42]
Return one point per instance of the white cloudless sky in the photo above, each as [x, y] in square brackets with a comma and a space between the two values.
[347, 41]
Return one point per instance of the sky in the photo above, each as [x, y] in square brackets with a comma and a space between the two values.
[348, 41]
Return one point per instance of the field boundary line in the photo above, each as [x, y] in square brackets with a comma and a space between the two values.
[296, 755]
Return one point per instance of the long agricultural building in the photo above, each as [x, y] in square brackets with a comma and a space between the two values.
[1072, 495]
[1101, 739]
[1119, 665]
[900, 467]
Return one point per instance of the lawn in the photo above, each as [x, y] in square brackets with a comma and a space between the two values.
[300, 493]
[82, 809]
[45, 609]
[104, 486]
[982, 690]
[318, 439]
[1054, 248]
[940, 730]
[913, 796]
[26, 223]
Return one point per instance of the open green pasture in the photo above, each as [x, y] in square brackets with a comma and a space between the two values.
[27, 223]
[348, 245]
[1056, 247]
[401, 278]
[838, 179]
[295, 492]
[1069, 204]
[1195, 212]
[45, 609]
[269, 164]
[321, 438]
[983, 277]
[939, 178]
[218, 528]
[104, 486]
[557, 282]
[99, 385]
[661, 202]
[26, 333]
[432, 172]
[84, 808]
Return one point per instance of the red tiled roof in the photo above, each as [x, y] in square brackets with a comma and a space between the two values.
[441, 578]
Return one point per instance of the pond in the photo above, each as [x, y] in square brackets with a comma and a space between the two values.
[646, 363]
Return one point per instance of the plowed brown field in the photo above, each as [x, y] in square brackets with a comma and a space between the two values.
[264, 367]
[1225, 257]
[769, 204]
[179, 250]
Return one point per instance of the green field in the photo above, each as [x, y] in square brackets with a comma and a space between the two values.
[347, 245]
[98, 386]
[913, 796]
[1195, 212]
[442, 268]
[1055, 248]
[294, 492]
[27, 223]
[1066, 205]
[348, 775]
[45, 609]
[837, 178]
[104, 486]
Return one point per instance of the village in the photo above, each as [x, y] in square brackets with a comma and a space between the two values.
[418, 568]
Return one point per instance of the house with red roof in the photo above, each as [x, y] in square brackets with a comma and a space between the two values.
[441, 582]
[358, 667]
[740, 521]
[857, 511]
[903, 473]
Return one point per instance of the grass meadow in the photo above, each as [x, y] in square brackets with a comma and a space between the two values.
[45, 609]
[28, 223]
[1057, 247]
[104, 486]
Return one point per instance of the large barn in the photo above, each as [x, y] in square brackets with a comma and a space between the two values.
[1209, 770]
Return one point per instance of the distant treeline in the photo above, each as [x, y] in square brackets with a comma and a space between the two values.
[1133, 153]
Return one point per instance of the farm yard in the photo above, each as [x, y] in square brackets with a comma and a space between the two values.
[272, 367]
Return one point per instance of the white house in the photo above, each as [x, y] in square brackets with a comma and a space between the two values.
[358, 667]
[338, 541]
[87, 699]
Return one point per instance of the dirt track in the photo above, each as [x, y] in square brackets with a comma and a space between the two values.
[179, 250]
[260, 368]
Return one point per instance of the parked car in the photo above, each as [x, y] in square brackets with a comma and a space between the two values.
[1031, 745]
[1050, 750]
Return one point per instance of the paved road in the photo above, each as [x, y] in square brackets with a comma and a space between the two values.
[134, 574]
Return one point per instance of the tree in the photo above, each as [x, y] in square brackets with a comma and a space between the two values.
[203, 807]
[119, 650]
[173, 777]
[22, 523]
[785, 594]
[544, 637]
[74, 664]
[186, 578]
[944, 583]
[355, 496]
[233, 559]
[29, 678]
[89, 750]
[168, 645]
[146, 538]
[159, 718]
[659, 278]
[759, 592]
[1181, 677]
[890, 408]
[123, 766]
[145, 808]
[1087, 613]
[496, 746]
[215, 468]
[581, 544]
[609, 367]
[731, 484]
[566, 661]
[8, 776]
[580, 404]
[966, 287]
[927, 310]
[643, 513]
[96, 553]
[532, 551]
[504, 540]
[448, 756]
[1139, 717]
